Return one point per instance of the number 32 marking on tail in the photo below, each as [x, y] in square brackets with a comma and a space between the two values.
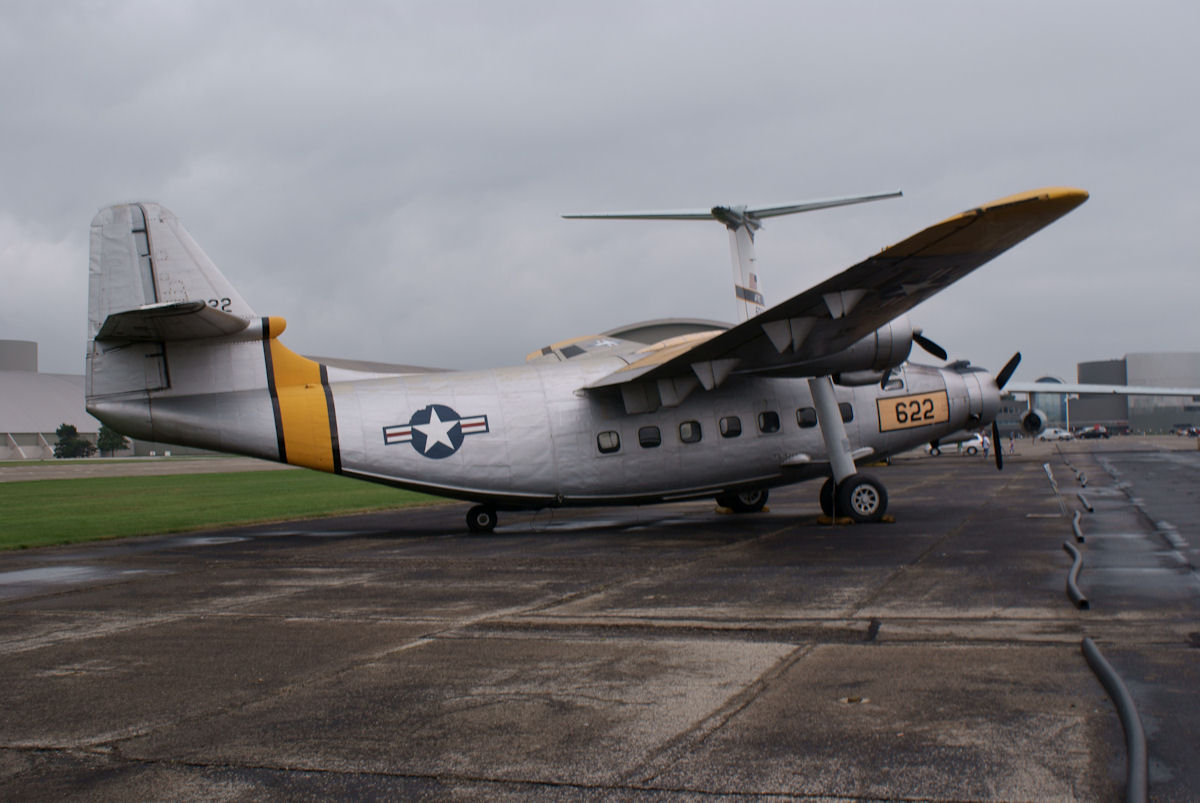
[906, 412]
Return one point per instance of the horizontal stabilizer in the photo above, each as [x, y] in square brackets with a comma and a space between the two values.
[178, 320]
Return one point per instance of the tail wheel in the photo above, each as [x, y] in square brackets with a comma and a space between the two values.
[481, 519]
[826, 497]
[746, 501]
[862, 498]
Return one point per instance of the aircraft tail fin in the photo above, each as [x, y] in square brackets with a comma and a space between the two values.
[150, 283]
[141, 256]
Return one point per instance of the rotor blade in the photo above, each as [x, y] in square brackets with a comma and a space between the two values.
[790, 209]
[754, 213]
[929, 345]
[1007, 371]
[996, 446]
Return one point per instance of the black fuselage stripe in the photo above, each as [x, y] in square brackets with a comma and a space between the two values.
[333, 431]
[266, 329]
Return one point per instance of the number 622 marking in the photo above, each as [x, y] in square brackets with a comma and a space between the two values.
[918, 410]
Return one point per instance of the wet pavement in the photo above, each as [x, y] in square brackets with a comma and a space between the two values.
[649, 653]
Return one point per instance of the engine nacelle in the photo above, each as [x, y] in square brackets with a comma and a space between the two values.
[853, 379]
[1033, 423]
[883, 349]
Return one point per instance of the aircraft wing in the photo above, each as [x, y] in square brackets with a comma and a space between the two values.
[789, 338]
[1113, 390]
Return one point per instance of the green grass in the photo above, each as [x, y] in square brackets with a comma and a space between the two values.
[44, 512]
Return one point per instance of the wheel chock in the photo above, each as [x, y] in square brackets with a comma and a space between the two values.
[887, 518]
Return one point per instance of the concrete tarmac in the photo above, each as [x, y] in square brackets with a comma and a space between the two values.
[665, 652]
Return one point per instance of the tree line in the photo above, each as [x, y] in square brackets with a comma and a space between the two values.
[72, 444]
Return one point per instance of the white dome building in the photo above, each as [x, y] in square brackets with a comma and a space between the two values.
[34, 405]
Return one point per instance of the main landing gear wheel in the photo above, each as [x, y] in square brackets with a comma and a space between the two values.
[481, 519]
[745, 501]
[826, 497]
[862, 498]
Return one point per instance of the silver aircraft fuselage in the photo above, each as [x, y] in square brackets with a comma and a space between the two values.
[530, 436]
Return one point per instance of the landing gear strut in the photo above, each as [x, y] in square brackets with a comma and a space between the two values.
[846, 493]
[481, 519]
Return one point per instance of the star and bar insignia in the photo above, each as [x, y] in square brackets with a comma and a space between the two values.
[436, 431]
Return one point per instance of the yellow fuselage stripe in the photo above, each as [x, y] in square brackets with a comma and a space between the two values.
[305, 419]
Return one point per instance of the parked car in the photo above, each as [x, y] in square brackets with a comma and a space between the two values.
[970, 445]
[1056, 434]
[973, 445]
[1092, 433]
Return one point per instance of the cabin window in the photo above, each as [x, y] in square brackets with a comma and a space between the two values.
[731, 426]
[649, 437]
[806, 417]
[768, 421]
[608, 442]
[847, 412]
[689, 432]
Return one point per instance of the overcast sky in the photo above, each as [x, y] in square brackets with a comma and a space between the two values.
[389, 176]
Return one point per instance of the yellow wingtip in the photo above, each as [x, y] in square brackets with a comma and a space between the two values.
[1071, 196]
[1060, 200]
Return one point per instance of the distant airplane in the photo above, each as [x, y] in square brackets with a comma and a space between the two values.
[801, 390]
[1034, 421]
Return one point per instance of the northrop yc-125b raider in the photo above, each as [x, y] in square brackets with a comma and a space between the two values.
[668, 410]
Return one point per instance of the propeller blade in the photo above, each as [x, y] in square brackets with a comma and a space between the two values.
[1007, 371]
[886, 376]
[996, 446]
[929, 345]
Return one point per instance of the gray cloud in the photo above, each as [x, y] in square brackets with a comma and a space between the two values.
[388, 176]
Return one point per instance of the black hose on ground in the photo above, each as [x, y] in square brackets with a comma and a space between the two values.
[1137, 777]
[1075, 526]
[1077, 597]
